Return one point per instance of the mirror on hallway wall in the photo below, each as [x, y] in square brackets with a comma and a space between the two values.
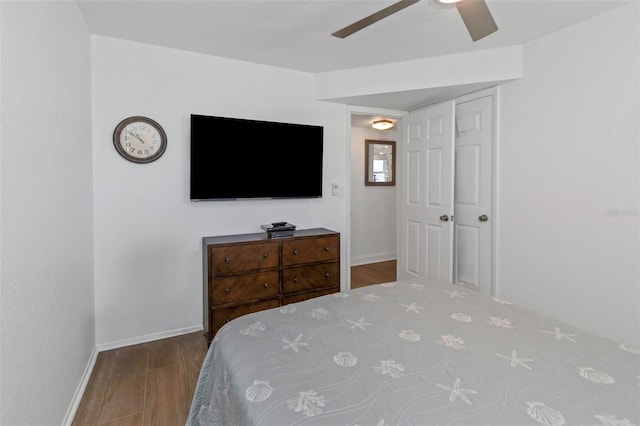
[380, 167]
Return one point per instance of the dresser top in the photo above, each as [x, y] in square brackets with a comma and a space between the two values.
[262, 236]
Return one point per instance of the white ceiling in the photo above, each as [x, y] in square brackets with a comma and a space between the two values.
[296, 34]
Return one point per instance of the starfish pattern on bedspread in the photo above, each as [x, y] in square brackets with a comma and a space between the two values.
[516, 360]
[358, 324]
[412, 308]
[456, 392]
[560, 335]
[294, 344]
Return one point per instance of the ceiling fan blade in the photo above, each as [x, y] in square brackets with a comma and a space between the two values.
[477, 18]
[371, 19]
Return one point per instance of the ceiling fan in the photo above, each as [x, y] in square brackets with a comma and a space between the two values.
[474, 13]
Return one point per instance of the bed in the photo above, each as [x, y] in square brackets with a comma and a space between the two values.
[413, 353]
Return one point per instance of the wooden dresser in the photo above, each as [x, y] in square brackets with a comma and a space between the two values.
[249, 272]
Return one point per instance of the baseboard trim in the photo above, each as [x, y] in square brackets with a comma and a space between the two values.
[82, 386]
[148, 338]
[363, 260]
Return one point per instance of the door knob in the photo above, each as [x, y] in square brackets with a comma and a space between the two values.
[444, 218]
[483, 218]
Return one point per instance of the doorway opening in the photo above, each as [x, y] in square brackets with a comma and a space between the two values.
[371, 208]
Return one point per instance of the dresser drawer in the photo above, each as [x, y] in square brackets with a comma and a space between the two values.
[244, 287]
[308, 295]
[295, 252]
[219, 317]
[238, 258]
[310, 277]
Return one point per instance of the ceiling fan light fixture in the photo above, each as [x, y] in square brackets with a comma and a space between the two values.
[382, 124]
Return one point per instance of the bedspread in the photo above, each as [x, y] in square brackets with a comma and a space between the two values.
[413, 353]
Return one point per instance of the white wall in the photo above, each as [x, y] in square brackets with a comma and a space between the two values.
[569, 177]
[373, 208]
[47, 256]
[148, 254]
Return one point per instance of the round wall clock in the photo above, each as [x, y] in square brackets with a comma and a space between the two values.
[140, 139]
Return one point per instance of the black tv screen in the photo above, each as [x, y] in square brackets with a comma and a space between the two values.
[234, 158]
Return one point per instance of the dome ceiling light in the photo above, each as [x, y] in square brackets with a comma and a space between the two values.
[382, 124]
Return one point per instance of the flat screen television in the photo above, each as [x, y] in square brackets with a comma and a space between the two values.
[233, 158]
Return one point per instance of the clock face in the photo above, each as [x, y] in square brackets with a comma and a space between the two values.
[140, 139]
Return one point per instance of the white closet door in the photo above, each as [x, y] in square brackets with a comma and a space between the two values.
[426, 183]
[473, 171]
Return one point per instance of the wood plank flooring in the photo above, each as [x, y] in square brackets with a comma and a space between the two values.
[147, 384]
[153, 383]
[373, 273]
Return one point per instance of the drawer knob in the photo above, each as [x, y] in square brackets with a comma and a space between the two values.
[265, 285]
[295, 252]
[227, 290]
[264, 256]
[326, 249]
[227, 260]
[295, 279]
[327, 275]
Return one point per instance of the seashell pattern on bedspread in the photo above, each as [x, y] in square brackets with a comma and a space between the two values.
[413, 353]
